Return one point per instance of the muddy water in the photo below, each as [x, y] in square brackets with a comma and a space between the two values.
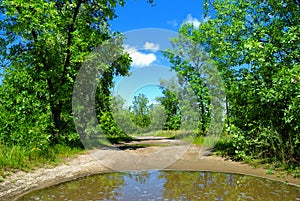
[168, 185]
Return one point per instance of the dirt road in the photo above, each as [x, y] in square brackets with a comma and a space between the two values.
[142, 154]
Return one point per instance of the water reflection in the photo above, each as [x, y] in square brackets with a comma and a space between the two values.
[168, 185]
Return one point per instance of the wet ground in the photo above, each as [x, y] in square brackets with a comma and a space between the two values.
[144, 153]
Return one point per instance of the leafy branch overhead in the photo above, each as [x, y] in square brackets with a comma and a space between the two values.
[44, 44]
[256, 47]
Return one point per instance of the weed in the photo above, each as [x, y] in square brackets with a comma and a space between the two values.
[13, 158]
[270, 171]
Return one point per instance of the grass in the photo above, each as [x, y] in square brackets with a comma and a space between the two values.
[14, 158]
[189, 136]
[168, 134]
[206, 141]
[224, 146]
[178, 134]
[159, 133]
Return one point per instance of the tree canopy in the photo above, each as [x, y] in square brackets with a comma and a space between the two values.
[256, 47]
[43, 45]
[140, 110]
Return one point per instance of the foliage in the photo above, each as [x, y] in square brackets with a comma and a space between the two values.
[158, 118]
[111, 129]
[256, 46]
[23, 112]
[103, 93]
[124, 117]
[121, 115]
[43, 45]
[171, 105]
[190, 62]
[140, 110]
[103, 104]
[21, 157]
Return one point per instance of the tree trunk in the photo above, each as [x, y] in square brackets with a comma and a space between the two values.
[55, 110]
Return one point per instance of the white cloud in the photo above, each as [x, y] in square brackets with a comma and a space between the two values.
[191, 20]
[151, 46]
[140, 59]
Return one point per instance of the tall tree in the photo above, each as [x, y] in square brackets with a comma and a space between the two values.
[256, 45]
[157, 117]
[46, 42]
[171, 105]
[190, 62]
[140, 110]
[170, 102]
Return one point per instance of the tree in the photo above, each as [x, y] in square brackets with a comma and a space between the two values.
[140, 110]
[122, 115]
[158, 117]
[256, 46]
[190, 62]
[170, 102]
[44, 43]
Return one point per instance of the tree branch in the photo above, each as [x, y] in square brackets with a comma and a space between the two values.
[33, 32]
[34, 35]
[70, 31]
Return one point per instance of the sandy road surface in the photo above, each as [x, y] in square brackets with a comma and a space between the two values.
[142, 154]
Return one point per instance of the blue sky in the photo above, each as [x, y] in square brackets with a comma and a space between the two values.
[144, 44]
[165, 14]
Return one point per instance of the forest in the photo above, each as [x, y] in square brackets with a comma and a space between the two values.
[254, 45]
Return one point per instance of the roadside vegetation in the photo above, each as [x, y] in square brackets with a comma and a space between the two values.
[256, 48]
[14, 158]
[43, 45]
[253, 46]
